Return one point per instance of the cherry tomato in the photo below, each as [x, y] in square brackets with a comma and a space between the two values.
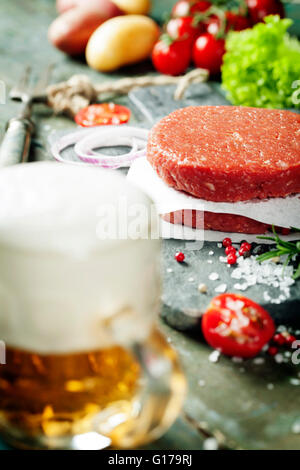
[186, 7]
[181, 8]
[200, 7]
[258, 9]
[102, 114]
[208, 53]
[182, 28]
[213, 24]
[171, 58]
[237, 326]
[237, 22]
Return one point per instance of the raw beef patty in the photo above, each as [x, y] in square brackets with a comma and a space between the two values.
[220, 222]
[228, 153]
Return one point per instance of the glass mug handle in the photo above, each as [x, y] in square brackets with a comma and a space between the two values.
[163, 392]
[155, 407]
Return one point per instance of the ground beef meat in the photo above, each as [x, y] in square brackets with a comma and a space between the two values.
[213, 221]
[228, 153]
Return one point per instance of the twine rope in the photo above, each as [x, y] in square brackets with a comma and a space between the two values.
[78, 92]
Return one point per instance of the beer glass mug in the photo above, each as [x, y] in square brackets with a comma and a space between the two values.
[85, 366]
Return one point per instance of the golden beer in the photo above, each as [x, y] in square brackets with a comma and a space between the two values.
[85, 366]
[55, 394]
[45, 398]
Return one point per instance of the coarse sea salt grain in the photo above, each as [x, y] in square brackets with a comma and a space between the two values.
[294, 381]
[221, 288]
[296, 427]
[214, 356]
[251, 272]
[237, 359]
[278, 358]
[239, 286]
[258, 360]
[210, 444]
[281, 328]
[213, 276]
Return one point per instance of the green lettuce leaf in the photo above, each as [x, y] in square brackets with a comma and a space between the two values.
[261, 67]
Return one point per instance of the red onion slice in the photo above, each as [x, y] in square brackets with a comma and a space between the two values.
[113, 137]
[66, 141]
[107, 161]
[85, 140]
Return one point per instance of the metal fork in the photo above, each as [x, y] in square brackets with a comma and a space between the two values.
[16, 142]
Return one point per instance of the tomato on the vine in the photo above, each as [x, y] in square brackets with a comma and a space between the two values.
[187, 7]
[237, 326]
[200, 7]
[171, 57]
[213, 25]
[231, 21]
[208, 53]
[183, 28]
[236, 22]
[258, 9]
[181, 9]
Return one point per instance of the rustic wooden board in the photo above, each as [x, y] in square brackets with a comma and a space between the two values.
[245, 405]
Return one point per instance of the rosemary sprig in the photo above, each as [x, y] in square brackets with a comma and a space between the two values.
[282, 248]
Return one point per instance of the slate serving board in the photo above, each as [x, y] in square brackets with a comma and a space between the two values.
[183, 303]
[156, 102]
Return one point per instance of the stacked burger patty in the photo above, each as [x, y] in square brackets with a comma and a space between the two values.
[227, 154]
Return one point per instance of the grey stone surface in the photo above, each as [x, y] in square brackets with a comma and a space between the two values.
[156, 102]
[183, 303]
[250, 404]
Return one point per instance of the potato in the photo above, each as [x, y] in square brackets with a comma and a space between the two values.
[71, 31]
[64, 5]
[121, 41]
[134, 7]
[102, 5]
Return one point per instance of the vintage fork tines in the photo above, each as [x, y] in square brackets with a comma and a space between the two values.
[39, 92]
[23, 91]
[16, 141]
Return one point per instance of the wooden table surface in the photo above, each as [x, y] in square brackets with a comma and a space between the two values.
[250, 405]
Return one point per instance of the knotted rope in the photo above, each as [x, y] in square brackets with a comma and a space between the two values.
[76, 93]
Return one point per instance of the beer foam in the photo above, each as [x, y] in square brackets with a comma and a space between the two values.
[62, 288]
[57, 207]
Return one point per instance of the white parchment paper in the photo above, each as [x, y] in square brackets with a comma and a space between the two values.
[284, 212]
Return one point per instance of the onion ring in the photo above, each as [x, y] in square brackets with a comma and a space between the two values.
[125, 136]
[85, 140]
